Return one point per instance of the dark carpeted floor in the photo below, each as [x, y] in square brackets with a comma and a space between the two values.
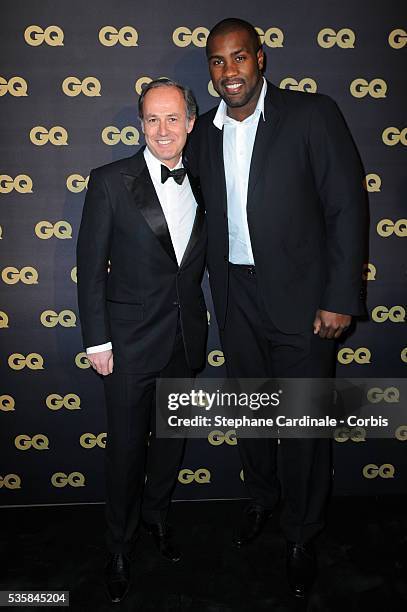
[362, 559]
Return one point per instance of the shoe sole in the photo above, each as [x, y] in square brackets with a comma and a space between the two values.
[117, 600]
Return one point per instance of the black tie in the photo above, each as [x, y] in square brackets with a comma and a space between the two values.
[178, 175]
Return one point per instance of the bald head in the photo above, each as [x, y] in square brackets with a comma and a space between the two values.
[232, 24]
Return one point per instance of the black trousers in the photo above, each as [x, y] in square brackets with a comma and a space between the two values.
[255, 348]
[141, 471]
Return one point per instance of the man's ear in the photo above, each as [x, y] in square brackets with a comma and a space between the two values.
[142, 125]
[190, 124]
[260, 58]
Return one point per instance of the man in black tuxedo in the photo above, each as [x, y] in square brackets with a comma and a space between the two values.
[143, 215]
[282, 187]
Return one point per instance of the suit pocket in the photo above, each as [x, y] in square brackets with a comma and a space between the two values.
[125, 312]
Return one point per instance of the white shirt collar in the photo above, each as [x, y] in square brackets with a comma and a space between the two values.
[154, 164]
[221, 116]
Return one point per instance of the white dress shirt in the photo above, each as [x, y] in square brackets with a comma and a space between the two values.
[238, 142]
[179, 208]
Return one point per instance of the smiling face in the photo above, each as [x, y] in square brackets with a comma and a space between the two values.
[235, 68]
[165, 124]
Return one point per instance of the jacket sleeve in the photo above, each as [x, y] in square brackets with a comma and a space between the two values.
[338, 175]
[93, 250]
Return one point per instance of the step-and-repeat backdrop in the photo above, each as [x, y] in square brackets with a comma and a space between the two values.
[70, 77]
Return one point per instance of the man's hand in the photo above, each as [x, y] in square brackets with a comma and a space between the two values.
[102, 362]
[330, 324]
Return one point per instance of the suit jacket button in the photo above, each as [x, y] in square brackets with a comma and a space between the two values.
[225, 258]
[175, 303]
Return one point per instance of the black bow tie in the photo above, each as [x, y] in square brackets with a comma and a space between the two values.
[178, 175]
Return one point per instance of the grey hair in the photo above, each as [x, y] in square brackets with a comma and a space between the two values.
[190, 102]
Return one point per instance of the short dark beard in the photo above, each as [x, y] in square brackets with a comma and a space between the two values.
[256, 92]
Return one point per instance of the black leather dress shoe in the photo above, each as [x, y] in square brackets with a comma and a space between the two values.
[254, 519]
[117, 576]
[301, 568]
[162, 537]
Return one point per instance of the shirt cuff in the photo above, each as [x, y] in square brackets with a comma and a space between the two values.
[99, 348]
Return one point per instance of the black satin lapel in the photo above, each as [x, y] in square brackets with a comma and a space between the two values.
[264, 140]
[196, 189]
[195, 234]
[145, 197]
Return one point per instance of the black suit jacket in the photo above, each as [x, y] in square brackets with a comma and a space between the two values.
[306, 209]
[136, 304]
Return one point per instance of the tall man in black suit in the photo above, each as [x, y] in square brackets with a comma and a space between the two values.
[144, 215]
[282, 186]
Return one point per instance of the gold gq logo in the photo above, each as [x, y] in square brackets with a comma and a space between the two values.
[141, 82]
[371, 470]
[216, 358]
[52, 35]
[182, 36]
[10, 481]
[90, 86]
[392, 136]
[57, 135]
[3, 320]
[27, 275]
[369, 272]
[71, 401]
[89, 440]
[403, 355]
[391, 395]
[74, 479]
[354, 434]
[50, 318]
[344, 38]
[387, 227]
[74, 276]
[201, 476]
[128, 135]
[377, 88]
[46, 230]
[127, 36]
[81, 361]
[22, 183]
[401, 433]
[216, 438]
[7, 403]
[398, 38]
[396, 314]
[38, 442]
[138, 86]
[372, 183]
[33, 361]
[77, 183]
[360, 355]
[16, 86]
[273, 37]
[306, 84]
